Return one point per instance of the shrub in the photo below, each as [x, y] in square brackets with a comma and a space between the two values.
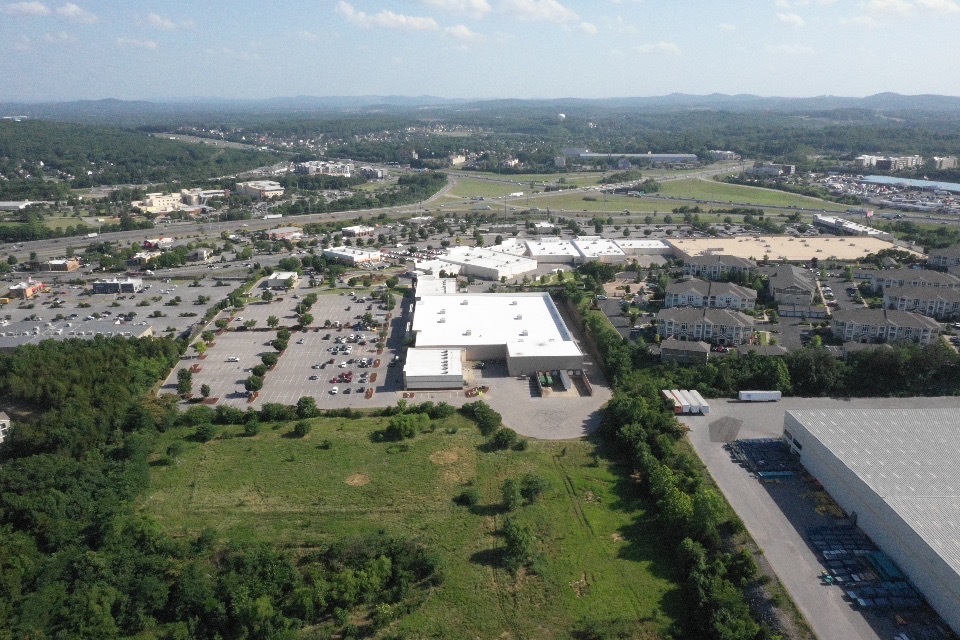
[301, 429]
[175, 449]
[206, 432]
[532, 487]
[251, 429]
[512, 497]
[468, 498]
[503, 439]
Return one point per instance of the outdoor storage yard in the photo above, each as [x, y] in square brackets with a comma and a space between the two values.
[804, 536]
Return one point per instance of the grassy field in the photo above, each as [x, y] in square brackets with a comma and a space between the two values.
[720, 191]
[601, 555]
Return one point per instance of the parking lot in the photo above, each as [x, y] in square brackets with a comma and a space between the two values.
[778, 514]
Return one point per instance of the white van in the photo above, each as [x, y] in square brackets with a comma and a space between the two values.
[233, 359]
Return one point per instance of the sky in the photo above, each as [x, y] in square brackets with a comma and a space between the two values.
[249, 49]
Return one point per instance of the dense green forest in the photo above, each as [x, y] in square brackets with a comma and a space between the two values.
[76, 561]
[76, 156]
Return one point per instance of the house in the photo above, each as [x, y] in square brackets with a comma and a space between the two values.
[286, 233]
[4, 426]
[719, 326]
[883, 325]
[684, 351]
[944, 258]
[935, 302]
[790, 285]
[718, 266]
[880, 280]
[701, 293]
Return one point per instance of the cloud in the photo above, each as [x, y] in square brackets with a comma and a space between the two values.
[726, 26]
[385, 19]
[22, 43]
[588, 28]
[74, 13]
[888, 7]
[791, 19]
[26, 9]
[939, 6]
[463, 34]
[158, 21]
[58, 38]
[791, 50]
[137, 44]
[231, 54]
[659, 47]
[474, 8]
[309, 36]
[539, 11]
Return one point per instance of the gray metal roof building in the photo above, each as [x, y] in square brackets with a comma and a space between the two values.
[896, 472]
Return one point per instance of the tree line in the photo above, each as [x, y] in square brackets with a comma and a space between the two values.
[78, 561]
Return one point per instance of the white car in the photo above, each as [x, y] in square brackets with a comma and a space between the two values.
[334, 390]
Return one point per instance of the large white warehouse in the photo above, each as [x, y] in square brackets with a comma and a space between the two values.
[896, 473]
[523, 329]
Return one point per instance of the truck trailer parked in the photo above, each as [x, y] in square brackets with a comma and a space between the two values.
[704, 406]
[684, 403]
[760, 396]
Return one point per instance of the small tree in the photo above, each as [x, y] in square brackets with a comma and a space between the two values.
[206, 432]
[205, 390]
[306, 320]
[184, 382]
[512, 498]
[273, 322]
[200, 347]
[267, 295]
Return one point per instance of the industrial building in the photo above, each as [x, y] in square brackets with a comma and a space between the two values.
[600, 249]
[844, 227]
[895, 473]
[523, 329]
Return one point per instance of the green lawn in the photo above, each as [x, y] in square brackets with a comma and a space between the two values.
[712, 190]
[602, 558]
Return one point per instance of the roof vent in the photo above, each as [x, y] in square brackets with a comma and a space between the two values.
[524, 333]
[468, 332]
[513, 302]
[519, 317]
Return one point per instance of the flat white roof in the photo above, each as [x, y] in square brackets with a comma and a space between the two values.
[283, 275]
[595, 246]
[510, 246]
[436, 265]
[434, 362]
[552, 248]
[908, 457]
[434, 286]
[783, 247]
[481, 257]
[641, 243]
[360, 228]
[527, 323]
[351, 252]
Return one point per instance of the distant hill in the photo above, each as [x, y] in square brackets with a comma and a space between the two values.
[138, 112]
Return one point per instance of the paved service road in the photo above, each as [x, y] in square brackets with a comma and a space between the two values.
[776, 514]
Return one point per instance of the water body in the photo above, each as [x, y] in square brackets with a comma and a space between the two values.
[915, 184]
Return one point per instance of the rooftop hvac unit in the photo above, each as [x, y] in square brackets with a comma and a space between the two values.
[442, 311]
[468, 332]
[519, 317]
[524, 333]
[465, 302]
[441, 320]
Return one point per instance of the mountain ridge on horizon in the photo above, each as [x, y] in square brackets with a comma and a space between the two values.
[106, 108]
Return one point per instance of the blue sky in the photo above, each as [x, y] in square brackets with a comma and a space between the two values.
[132, 49]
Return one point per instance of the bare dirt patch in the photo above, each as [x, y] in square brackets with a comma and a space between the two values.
[358, 480]
[444, 457]
[581, 586]
[616, 537]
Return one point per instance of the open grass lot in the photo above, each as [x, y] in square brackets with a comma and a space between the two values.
[712, 191]
[478, 188]
[609, 203]
[601, 556]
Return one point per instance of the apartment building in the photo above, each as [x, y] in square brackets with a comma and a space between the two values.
[702, 293]
[883, 325]
[719, 326]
